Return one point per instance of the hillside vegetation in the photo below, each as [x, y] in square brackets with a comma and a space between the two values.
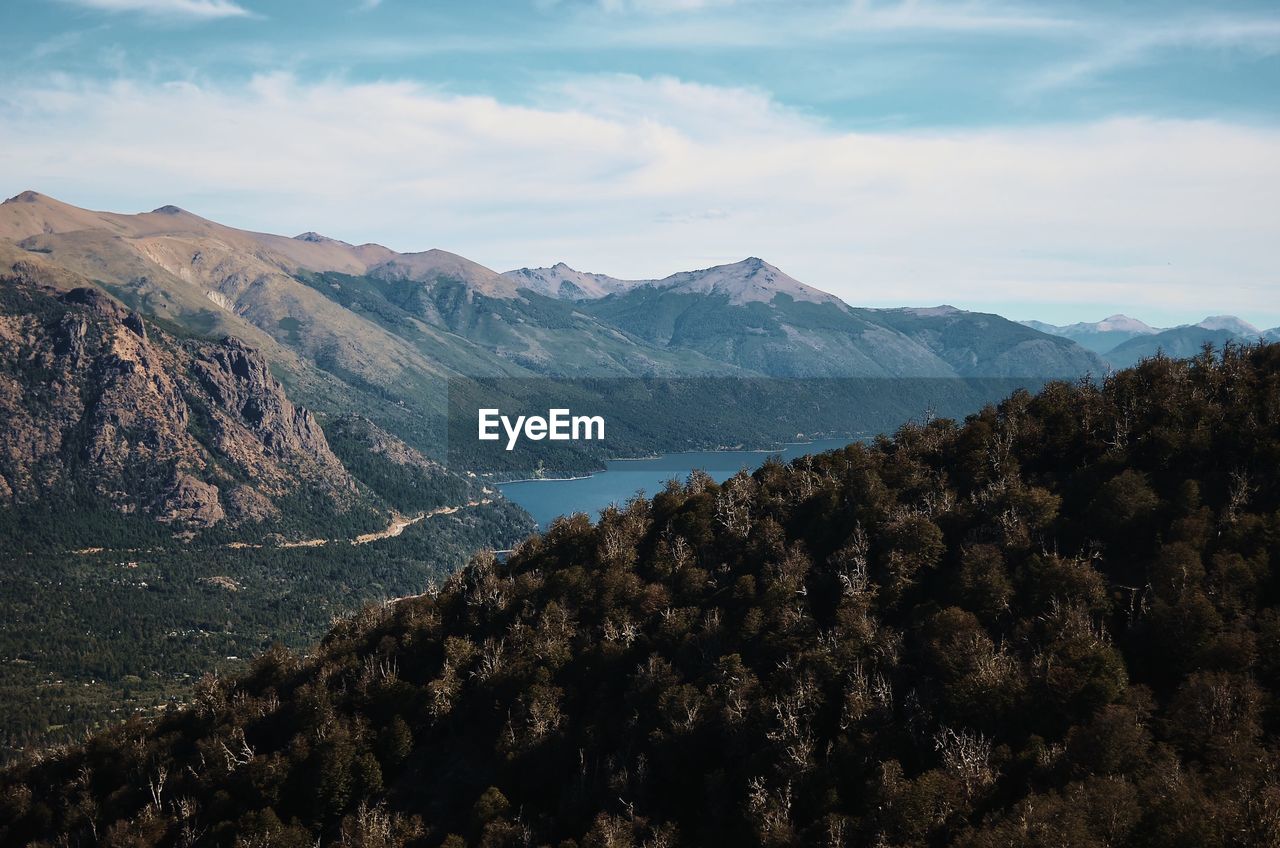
[1053, 624]
[165, 508]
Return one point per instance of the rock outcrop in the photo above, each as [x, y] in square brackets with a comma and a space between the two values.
[192, 433]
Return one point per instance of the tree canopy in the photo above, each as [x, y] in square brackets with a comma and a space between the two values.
[1052, 624]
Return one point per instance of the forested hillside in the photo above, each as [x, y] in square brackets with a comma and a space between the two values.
[1053, 624]
[166, 508]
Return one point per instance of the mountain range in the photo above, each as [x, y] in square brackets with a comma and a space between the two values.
[367, 312]
[1123, 341]
[108, 414]
[363, 327]
[344, 328]
[195, 413]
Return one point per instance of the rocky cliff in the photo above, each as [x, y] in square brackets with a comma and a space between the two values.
[191, 432]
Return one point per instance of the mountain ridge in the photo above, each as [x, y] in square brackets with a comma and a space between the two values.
[385, 331]
[1123, 340]
[745, 281]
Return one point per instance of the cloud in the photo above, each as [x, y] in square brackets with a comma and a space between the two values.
[868, 15]
[958, 17]
[645, 176]
[664, 6]
[691, 217]
[1116, 47]
[770, 23]
[190, 9]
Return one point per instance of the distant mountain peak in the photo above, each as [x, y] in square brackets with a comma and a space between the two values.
[168, 209]
[565, 282]
[27, 196]
[934, 311]
[1098, 336]
[316, 238]
[1120, 323]
[1231, 324]
[745, 281]
[436, 264]
[748, 280]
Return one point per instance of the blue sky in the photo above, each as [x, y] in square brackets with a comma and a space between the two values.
[1056, 160]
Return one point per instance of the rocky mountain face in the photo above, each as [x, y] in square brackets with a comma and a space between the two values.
[564, 282]
[190, 433]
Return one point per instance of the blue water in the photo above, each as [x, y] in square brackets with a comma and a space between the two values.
[547, 500]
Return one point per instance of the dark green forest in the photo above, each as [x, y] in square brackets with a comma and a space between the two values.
[90, 637]
[1052, 624]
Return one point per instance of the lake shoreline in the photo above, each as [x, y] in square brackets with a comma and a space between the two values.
[719, 450]
[623, 478]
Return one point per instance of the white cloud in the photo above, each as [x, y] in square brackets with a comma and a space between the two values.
[1113, 48]
[845, 15]
[952, 17]
[664, 6]
[191, 9]
[618, 174]
[771, 23]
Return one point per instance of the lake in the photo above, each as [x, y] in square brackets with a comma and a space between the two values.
[547, 500]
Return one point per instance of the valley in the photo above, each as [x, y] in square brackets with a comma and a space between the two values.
[639, 424]
[226, 438]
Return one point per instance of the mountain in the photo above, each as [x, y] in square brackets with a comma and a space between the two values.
[723, 313]
[1122, 340]
[1183, 341]
[166, 507]
[1231, 324]
[1272, 335]
[106, 410]
[436, 265]
[1053, 624]
[1098, 336]
[348, 327]
[977, 344]
[189, 433]
[564, 282]
[748, 281]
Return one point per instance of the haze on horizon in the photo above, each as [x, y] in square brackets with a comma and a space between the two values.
[1054, 161]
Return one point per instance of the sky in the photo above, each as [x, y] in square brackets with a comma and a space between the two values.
[1053, 160]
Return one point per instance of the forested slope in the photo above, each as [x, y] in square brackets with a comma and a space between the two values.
[1053, 624]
